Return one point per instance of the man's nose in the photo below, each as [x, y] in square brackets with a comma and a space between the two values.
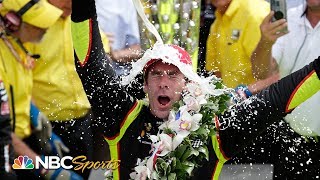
[164, 81]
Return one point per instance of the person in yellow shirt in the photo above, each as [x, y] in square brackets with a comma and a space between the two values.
[57, 89]
[232, 39]
[22, 21]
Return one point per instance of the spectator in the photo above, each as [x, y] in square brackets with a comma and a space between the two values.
[6, 152]
[23, 22]
[120, 24]
[232, 39]
[67, 107]
[287, 53]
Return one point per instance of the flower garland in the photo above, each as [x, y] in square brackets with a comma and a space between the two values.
[181, 144]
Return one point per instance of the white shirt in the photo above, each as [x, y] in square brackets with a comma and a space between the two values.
[294, 3]
[119, 17]
[292, 52]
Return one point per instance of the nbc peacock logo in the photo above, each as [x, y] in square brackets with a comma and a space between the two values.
[23, 162]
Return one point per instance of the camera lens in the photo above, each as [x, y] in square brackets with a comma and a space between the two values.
[278, 15]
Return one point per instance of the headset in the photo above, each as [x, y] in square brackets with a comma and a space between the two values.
[12, 20]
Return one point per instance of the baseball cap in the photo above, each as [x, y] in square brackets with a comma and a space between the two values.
[184, 58]
[167, 53]
[42, 14]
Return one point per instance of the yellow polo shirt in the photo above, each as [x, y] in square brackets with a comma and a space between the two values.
[20, 78]
[232, 39]
[57, 89]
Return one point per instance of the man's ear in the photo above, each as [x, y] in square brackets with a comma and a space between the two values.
[145, 86]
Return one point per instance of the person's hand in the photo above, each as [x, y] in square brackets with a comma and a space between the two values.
[59, 174]
[41, 125]
[56, 146]
[243, 91]
[271, 31]
[113, 54]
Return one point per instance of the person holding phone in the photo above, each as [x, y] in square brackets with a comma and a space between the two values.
[285, 53]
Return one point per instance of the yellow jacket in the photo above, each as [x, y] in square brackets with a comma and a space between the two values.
[14, 74]
[57, 89]
[232, 39]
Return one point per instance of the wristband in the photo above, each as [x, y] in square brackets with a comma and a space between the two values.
[243, 91]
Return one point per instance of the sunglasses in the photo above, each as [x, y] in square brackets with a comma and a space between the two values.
[12, 20]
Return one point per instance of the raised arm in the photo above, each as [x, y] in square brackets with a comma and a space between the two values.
[109, 101]
[262, 61]
[247, 120]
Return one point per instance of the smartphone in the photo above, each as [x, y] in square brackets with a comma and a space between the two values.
[280, 10]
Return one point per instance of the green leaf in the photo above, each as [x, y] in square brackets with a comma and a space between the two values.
[164, 167]
[168, 170]
[178, 164]
[181, 174]
[194, 152]
[173, 163]
[180, 151]
[160, 160]
[204, 150]
[158, 166]
[188, 167]
[172, 176]
[186, 155]
[202, 131]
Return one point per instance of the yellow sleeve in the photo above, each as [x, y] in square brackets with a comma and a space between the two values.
[252, 32]
[105, 42]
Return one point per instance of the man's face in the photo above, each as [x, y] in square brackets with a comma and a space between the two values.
[314, 5]
[164, 85]
[64, 5]
[221, 5]
[29, 33]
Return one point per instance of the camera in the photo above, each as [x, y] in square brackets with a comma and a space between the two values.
[280, 9]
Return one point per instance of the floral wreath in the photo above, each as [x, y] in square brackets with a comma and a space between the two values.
[181, 143]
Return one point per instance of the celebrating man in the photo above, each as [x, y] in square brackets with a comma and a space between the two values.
[125, 121]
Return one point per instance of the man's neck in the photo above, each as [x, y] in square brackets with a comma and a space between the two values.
[313, 15]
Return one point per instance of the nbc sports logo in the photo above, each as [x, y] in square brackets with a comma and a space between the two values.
[23, 162]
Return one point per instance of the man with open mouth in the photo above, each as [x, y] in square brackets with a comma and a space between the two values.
[124, 121]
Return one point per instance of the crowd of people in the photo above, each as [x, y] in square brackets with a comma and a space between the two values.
[61, 68]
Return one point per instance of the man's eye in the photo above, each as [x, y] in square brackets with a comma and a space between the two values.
[173, 74]
[156, 73]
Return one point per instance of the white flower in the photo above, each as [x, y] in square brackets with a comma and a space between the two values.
[162, 145]
[194, 103]
[108, 174]
[194, 89]
[141, 173]
[186, 123]
[168, 144]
